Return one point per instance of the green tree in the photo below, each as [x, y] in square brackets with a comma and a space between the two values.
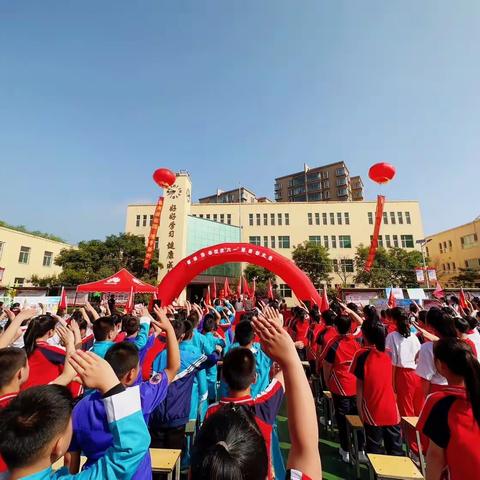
[261, 274]
[314, 260]
[395, 266]
[467, 277]
[97, 259]
[49, 281]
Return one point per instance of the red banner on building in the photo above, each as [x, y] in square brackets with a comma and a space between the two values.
[153, 234]
[376, 233]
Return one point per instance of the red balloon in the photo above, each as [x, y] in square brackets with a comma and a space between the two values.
[164, 177]
[382, 172]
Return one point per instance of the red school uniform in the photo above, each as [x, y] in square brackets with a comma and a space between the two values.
[469, 342]
[339, 352]
[447, 419]
[300, 331]
[264, 409]
[46, 364]
[379, 404]
[312, 334]
[5, 401]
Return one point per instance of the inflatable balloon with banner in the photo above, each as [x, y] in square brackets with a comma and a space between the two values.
[380, 173]
[164, 178]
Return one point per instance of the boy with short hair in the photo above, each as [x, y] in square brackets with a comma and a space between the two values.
[35, 429]
[239, 373]
[90, 433]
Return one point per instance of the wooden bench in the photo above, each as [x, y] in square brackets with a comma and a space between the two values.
[166, 461]
[392, 468]
[354, 426]
[409, 424]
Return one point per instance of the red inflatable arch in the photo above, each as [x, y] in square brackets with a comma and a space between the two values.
[186, 270]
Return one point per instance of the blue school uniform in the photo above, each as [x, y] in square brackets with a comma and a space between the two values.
[198, 341]
[91, 435]
[101, 348]
[130, 442]
[212, 342]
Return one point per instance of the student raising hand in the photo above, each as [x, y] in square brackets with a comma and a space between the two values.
[94, 371]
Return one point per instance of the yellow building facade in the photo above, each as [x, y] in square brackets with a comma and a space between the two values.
[23, 255]
[340, 226]
[455, 251]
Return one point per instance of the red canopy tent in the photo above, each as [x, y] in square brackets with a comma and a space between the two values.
[120, 282]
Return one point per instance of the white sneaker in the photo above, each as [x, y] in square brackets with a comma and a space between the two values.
[345, 455]
[362, 457]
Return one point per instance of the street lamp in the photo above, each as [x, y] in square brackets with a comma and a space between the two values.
[422, 242]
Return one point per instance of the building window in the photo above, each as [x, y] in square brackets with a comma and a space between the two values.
[335, 265]
[265, 241]
[427, 252]
[310, 218]
[454, 267]
[325, 241]
[334, 241]
[400, 218]
[325, 174]
[272, 241]
[18, 282]
[339, 218]
[317, 219]
[315, 239]
[385, 218]
[407, 241]
[284, 291]
[370, 218]
[440, 247]
[287, 219]
[347, 218]
[324, 218]
[265, 218]
[380, 240]
[332, 219]
[392, 218]
[450, 246]
[255, 240]
[387, 241]
[340, 171]
[215, 217]
[342, 192]
[469, 241]
[24, 256]
[341, 181]
[272, 219]
[258, 219]
[279, 219]
[250, 219]
[2, 246]
[395, 241]
[347, 265]
[137, 223]
[47, 259]
[207, 216]
[407, 218]
[222, 218]
[345, 241]
[151, 220]
[145, 220]
[326, 194]
[283, 241]
[156, 243]
[229, 218]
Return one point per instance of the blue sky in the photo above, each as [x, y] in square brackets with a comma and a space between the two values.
[95, 95]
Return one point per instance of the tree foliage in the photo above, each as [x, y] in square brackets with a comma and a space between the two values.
[314, 260]
[261, 274]
[97, 259]
[467, 277]
[395, 266]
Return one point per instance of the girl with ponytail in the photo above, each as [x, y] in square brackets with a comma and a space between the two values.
[451, 417]
[403, 347]
[45, 361]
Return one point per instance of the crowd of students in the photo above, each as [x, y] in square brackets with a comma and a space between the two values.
[107, 386]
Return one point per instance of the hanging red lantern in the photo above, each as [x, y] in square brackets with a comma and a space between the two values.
[382, 172]
[164, 177]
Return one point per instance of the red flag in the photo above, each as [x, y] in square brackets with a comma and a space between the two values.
[254, 287]
[270, 290]
[246, 288]
[325, 305]
[214, 289]
[226, 288]
[438, 292]
[208, 299]
[376, 232]
[129, 304]
[153, 234]
[392, 301]
[462, 299]
[62, 304]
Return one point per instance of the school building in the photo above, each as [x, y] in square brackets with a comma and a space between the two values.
[456, 252]
[23, 255]
[341, 226]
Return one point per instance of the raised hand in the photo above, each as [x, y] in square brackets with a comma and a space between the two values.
[67, 337]
[94, 371]
[162, 320]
